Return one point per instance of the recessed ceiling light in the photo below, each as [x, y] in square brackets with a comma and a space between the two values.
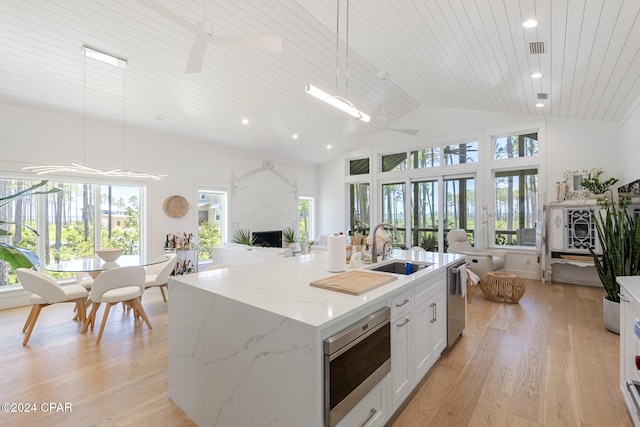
[531, 23]
[294, 136]
[245, 121]
[536, 75]
[329, 147]
[540, 105]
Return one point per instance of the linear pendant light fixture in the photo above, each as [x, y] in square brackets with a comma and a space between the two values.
[83, 169]
[338, 102]
[341, 103]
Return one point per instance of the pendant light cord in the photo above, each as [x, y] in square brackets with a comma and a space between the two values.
[346, 88]
[124, 119]
[84, 112]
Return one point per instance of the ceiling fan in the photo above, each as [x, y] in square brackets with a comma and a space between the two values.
[204, 35]
[383, 119]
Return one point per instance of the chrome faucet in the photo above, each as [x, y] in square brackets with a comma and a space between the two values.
[374, 248]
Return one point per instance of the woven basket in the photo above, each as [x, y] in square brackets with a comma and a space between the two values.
[502, 287]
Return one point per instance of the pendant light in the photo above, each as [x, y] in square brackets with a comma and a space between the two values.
[341, 103]
[83, 168]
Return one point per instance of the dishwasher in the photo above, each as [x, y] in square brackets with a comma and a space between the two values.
[456, 301]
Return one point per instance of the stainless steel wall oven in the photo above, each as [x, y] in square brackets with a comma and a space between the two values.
[355, 360]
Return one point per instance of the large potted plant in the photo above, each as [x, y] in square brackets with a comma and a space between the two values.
[15, 256]
[619, 234]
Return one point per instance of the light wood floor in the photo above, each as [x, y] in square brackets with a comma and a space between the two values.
[544, 362]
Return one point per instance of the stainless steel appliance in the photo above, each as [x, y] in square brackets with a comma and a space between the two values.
[456, 301]
[355, 360]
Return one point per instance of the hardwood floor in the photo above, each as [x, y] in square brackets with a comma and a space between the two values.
[546, 361]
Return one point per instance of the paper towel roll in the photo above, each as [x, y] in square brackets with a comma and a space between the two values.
[336, 253]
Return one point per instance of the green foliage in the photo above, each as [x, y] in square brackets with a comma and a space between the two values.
[619, 234]
[593, 183]
[209, 237]
[289, 235]
[429, 243]
[244, 237]
[11, 254]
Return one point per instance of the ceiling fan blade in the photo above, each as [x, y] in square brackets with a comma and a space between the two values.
[405, 131]
[171, 16]
[196, 57]
[271, 43]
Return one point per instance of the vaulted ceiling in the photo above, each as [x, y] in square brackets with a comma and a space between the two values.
[459, 54]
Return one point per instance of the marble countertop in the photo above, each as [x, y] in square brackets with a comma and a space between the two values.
[632, 283]
[282, 285]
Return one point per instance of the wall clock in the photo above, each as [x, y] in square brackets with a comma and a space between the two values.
[176, 206]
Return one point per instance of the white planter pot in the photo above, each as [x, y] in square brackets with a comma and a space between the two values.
[611, 315]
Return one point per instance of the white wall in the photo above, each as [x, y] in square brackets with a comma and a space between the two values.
[630, 147]
[569, 144]
[32, 137]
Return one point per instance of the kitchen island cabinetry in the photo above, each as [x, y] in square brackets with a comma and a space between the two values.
[246, 343]
[630, 340]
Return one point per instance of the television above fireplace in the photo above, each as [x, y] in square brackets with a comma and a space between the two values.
[269, 239]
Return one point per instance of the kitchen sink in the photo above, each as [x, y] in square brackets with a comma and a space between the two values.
[401, 267]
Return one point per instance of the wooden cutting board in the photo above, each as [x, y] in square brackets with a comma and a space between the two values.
[354, 282]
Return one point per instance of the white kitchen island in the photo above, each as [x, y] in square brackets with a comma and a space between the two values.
[245, 343]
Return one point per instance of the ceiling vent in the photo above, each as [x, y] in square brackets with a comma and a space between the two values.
[542, 96]
[536, 48]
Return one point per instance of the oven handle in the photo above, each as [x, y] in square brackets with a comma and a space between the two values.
[387, 321]
[633, 391]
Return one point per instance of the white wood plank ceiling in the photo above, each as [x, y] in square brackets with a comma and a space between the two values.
[461, 54]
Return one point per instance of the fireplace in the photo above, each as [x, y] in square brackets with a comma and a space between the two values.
[269, 239]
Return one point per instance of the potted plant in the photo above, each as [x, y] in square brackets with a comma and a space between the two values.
[289, 237]
[15, 256]
[619, 235]
[244, 237]
[593, 184]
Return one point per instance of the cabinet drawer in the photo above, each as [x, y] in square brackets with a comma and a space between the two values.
[371, 411]
[400, 303]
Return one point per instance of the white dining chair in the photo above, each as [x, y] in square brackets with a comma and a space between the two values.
[157, 275]
[121, 284]
[46, 291]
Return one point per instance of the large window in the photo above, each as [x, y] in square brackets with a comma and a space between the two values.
[424, 215]
[359, 206]
[66, 220]
[515, 146]
[393, 202]
[306, 229]
[212, 219]
[516, 207]
[459, 204]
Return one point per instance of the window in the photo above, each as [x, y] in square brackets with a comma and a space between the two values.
[516, 207]
[425, 158]
[459, 154]
[359, 205]
[66, 221]
[393, 202]
[459, 204]
[212, 208]
[424, 215]
[394, 162]
[358, 167]
[511, 147]
[306, 227]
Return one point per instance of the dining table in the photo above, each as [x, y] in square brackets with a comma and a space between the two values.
[95, 265]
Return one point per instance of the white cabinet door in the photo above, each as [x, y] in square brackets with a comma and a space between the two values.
[438, 330]
[423, 315]
[401, 367]
[429, 330]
